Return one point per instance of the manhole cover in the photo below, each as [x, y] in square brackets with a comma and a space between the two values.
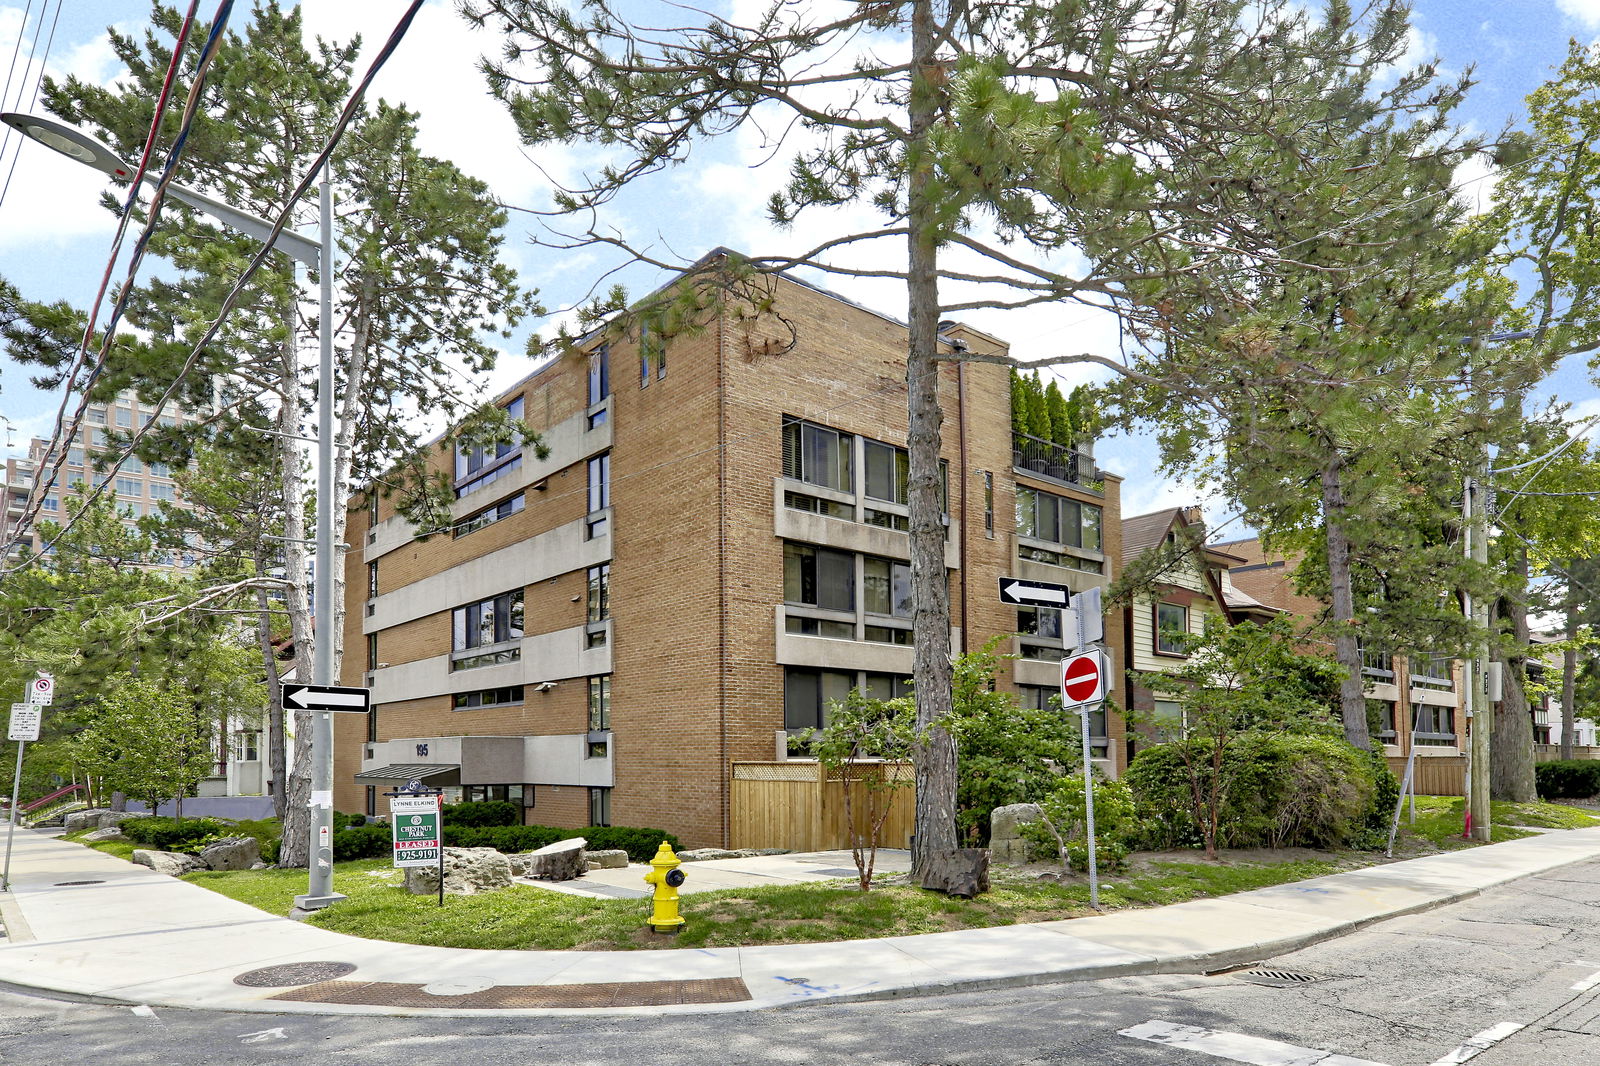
[461, 986]
[1284, 978]
[68, 884]
[295, 973]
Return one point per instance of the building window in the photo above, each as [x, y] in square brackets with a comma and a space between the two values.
[521, 795]
[819, 577]
[817, 455]
[1040, 629]
[372, 580]
[600, 703]
[1432, 672]
[163, 492]
[807, 693]
[1047, 517]
[599, 605]
[1435, 724]
[886, 686]
[124, 417]
[372, 724]
[372, 651]
[1172, 622]
[372, 799]
[1377, 663]
[599, 806]
[95, 416]
[599, 494]
[159, 470]
[886, 587]
[479, 630]
[127, 486]
[249, 746]
[599, 383]
[372, 507]
[489, 697]
[479, 464]
[988, 503]
[1385, 709]
[489, 515]
[888, 471]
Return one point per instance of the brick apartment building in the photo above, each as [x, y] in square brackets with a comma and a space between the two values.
[713, 548]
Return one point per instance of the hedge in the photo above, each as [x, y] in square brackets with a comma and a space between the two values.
[373, 841]
[167, 834]
[1567, 778]
[483, 813]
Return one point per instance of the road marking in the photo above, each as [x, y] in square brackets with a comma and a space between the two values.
[1237, 1047]
[1481, 1042]
[143, 1011]
[264, 1035]
[1587, 983]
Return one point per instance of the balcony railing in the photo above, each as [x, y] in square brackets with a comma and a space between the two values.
[1051, 460]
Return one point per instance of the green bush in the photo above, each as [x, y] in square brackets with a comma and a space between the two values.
[1567, 778]
[483, 813]
[1286, 790]
[640, 844]
[167, 834]
[507, 838]
[347, 821]
[361, 842]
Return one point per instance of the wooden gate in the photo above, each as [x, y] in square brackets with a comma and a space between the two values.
[799, 806]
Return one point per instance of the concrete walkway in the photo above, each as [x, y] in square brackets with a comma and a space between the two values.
[133, 936]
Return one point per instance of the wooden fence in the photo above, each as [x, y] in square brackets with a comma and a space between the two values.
[1436, 775]
[800, 806]
[1552, 752]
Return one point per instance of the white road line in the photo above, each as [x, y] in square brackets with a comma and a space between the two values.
[1237, 1047]
[1481, 1042]
[1587, 983]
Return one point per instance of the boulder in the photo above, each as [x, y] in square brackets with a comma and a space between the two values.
[109, 833]
[706, 854]
[467, 871]
[78, 821]
[608, 859]
[1005, 831]
[957, 871]
[231, 853]
[561, 861]
[108, 819]
[171, 863]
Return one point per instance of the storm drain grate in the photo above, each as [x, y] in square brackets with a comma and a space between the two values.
[294, 973]
[527, 997]
[69, 884]
[1278, 978]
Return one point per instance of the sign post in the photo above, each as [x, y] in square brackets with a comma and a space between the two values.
[23, 727]
[320, 700]
[415, 821]
[1083, 684]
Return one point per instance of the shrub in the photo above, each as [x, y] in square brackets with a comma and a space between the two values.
[361, 842]
[483, 813]
[1567, 778]
[640, 844]
[506, 838]
[1288, 790]
[167, 834]
[347, 821]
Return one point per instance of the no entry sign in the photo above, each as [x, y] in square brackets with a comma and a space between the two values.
[1083, 678]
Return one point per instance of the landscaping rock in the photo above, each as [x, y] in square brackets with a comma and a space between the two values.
[706, 854]
[171, 863]
[467, 871]
[111, 818]
[231, 853]
[109, 833]
[957, 871]
[1005, 831]
[78, 821]
[561, 861]
[608, 859]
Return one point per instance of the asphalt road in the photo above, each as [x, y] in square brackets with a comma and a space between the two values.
[1413, 991]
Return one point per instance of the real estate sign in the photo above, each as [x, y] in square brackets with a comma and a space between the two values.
[415, 824]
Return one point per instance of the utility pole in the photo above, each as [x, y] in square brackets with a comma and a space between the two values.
[1480, 715]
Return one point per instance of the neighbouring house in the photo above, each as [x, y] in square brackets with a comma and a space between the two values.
[1183, 581]
[629, 629]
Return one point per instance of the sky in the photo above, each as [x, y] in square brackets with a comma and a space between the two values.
[54, 238]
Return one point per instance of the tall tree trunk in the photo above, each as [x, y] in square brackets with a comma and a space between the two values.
[276, 761]
[296, 848]
[1569, 685]
[934, 755]
[1511, 753]
[1352, 694]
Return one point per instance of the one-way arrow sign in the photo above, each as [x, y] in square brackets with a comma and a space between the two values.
[1021, 593]
[327, 698]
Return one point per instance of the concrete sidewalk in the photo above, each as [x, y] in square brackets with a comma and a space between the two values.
[126, 934]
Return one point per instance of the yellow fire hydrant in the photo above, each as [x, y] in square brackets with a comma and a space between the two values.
[665, 877]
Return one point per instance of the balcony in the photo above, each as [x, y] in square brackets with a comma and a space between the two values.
[1054, 462]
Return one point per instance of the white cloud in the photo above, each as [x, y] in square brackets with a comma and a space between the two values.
[1584, 11]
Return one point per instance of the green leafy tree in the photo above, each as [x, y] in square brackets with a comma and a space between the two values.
[1239, 682]
[865, 745]
[1062, 431]
[147, 741]
[1064, 817]
[1149, 138]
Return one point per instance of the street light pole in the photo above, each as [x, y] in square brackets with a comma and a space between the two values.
[89, 150]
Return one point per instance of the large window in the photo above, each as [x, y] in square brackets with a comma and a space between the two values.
[474, 459]
[819, 577]
[1040, 629]
[1435, 724]
[599, 806]
[490, 515]
[817, 455]
[599, 703]
[1047, 517]
[1172, 622]
[819, 585]
[1432, 671]
[479, 630]
[489, 697]
[807, 692]
[599, 605]
[599, 383]
[599, 494]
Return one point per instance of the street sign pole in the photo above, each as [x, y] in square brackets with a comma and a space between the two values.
[11, 827]
[23, 727]
[1088, 810]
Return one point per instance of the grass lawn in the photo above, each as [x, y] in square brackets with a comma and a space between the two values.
[1439, 819]
[527, 918]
